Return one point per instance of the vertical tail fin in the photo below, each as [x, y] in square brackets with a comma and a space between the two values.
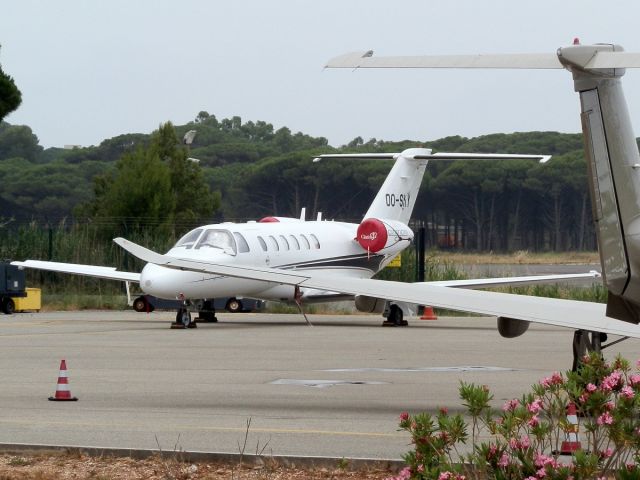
[397, 196]
[614, 175]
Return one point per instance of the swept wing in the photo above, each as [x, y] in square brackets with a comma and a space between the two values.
[109, 273]
[563, 313]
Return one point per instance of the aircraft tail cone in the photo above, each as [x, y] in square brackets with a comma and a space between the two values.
[63, 394]
[428, 314]
[572, 440]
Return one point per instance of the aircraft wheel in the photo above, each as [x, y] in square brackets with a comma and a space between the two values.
[140, 304]
[395, 318]
[8, 306]
[184, 317]
[234, 305]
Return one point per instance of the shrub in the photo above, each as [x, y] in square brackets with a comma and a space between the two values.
[526, 436]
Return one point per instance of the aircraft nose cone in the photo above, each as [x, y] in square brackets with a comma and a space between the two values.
[155, 281]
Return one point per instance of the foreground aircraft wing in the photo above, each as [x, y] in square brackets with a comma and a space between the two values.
[564, 313]
[109, 273]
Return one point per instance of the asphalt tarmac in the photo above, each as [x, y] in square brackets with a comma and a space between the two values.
[334, 389]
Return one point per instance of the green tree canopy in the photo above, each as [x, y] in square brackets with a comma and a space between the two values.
[10, 95]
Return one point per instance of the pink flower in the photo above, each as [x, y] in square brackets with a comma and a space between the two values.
[445, 476]
[513, 443]
[556, 379]
[591, 388]
[511, 405]
[540, 460]
[535, 406]
[525, 442]
[609, 406]
[583, 398]
[404, 474]
[607, 453]
[404, 416]
[444, 410]
[534, 421]
[605, 419]
[634, 380]
[627, 392]
[421, 468]
[504, 461]
[612, 381]
[541, 473]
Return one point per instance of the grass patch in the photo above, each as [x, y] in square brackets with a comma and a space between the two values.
[520, 257]
[81, 301]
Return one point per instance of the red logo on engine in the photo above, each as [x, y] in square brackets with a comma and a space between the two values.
[372, 235]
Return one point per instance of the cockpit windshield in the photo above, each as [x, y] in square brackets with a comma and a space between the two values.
[189, 239]
[220, 239]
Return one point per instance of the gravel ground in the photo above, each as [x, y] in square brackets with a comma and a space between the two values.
[77, 466]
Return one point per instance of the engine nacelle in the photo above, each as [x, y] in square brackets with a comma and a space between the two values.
[511, 327]
[369, 304]
[374, 235]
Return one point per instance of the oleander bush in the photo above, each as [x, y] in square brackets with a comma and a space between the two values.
[526, 436]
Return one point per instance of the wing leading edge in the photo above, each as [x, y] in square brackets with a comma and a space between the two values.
[564, 313]
[109, 273]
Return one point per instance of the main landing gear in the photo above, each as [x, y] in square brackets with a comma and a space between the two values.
[394, 316]
[586, 342]
[205, 309]
[183, 318]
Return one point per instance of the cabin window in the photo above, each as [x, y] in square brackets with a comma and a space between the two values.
[243, 246]
[189, 239]
[273, 242]
[262, 243]
[285, 244]
[294, 242]
[316, 242]
[305, 242]
[218, 239]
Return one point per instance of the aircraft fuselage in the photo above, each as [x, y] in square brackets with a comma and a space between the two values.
[290, 244]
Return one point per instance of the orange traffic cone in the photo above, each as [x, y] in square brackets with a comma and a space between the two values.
[62, 389]
[572, 442]
[428, 314]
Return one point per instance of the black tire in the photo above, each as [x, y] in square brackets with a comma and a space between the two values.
[8, 306]
[395, 316]
[184, 317]
[233, 305]
[140, 304]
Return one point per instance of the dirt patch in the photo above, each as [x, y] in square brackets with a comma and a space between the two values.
[77, 466]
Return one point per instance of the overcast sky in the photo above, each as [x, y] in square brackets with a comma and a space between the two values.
[90, 70]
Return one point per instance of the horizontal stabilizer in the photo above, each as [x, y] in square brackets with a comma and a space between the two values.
[528, 61]
[533, 61]
[433, 156]
[109, 273]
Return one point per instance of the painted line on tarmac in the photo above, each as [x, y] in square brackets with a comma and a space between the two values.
[469, 368]
[174, 427]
